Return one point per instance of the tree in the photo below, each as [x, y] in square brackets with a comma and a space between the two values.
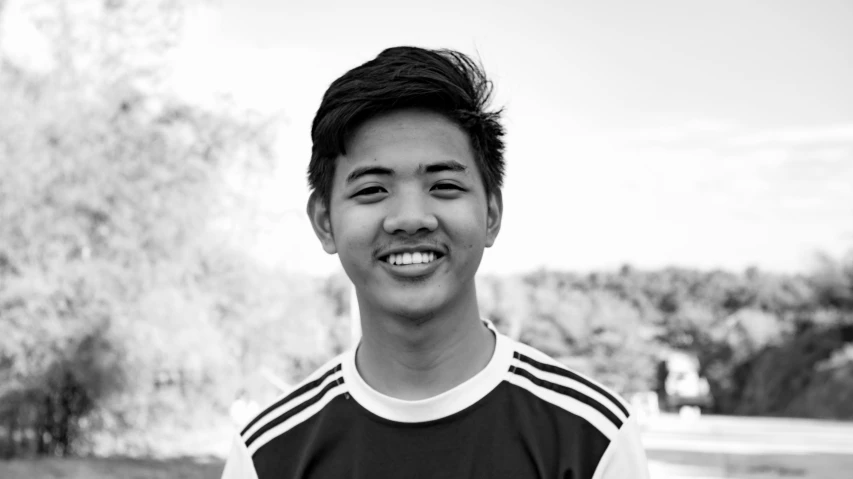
[833, 282]
[108, 185]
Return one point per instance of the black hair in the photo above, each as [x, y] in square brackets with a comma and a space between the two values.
[444, 81]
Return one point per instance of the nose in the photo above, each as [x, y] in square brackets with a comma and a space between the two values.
[410, 214]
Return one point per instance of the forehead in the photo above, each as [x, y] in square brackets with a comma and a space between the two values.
[406, 138]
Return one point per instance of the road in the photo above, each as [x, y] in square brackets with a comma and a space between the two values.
[715, 447]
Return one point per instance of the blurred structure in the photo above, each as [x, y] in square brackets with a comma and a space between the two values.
[242, 409]
[681, 384]
[646, 405]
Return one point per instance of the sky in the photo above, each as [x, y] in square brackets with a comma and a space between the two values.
[656, 133]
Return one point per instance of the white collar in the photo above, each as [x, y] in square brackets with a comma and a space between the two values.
[436, 407]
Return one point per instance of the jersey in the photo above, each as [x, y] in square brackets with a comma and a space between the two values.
[523, 416]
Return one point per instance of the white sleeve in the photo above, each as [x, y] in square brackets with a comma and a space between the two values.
[239, 464]
[625, 458]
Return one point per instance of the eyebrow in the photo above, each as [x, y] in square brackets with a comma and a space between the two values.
[438, 167]
[368, 170]
[449, 165]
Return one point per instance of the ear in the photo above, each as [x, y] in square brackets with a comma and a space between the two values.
[493, 217]
[321, 221]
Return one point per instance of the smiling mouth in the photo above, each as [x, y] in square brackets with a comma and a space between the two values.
[418, 257]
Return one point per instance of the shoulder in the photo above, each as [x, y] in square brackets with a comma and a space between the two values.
[295, 406]
[583, 396]
[567, 389]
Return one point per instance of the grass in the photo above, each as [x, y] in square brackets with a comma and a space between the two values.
[110, 468]
[180, 454]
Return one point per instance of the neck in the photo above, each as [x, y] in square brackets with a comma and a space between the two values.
[413, 360]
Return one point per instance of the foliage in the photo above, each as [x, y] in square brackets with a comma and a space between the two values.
[760, 337]
[108, 193]
[793, 379]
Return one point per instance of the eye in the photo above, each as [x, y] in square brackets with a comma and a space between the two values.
[370, 191]
[447, 187]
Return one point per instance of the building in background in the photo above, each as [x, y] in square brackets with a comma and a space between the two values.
[680, 385]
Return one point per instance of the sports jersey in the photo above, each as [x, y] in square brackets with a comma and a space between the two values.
[523, 416]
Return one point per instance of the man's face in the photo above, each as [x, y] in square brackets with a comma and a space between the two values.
[408, 214]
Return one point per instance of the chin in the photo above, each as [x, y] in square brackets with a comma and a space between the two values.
[414, 307]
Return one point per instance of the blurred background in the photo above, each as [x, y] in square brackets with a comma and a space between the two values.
[678, 223]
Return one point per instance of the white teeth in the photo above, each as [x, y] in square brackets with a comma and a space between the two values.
[411, 258]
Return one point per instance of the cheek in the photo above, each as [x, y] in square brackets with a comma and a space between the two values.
[354, 233]
[467, 224]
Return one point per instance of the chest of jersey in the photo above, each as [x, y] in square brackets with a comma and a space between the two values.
[507, 434]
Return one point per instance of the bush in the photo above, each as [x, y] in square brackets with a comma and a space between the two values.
[45, 411]
[787, 380]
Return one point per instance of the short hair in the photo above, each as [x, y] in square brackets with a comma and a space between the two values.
[444, 81]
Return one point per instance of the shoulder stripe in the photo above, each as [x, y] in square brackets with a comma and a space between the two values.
[292, 412]
[603, 410]
[311, 409]
[549, 368]
[566, 403]
[571, 384]
[294, 394]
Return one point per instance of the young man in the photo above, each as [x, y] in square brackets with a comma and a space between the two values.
[406, 172]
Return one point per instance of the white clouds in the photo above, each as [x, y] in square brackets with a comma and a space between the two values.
[724, 133]
[674, 133]
[828, 134]
[684, 196]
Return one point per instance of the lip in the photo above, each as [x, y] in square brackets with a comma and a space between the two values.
[412, 270]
